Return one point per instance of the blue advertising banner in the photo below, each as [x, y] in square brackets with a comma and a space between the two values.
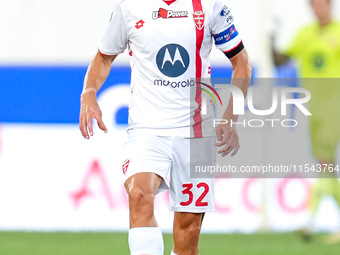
[50, 94]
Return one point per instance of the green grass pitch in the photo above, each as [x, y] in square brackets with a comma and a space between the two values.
[60, 243]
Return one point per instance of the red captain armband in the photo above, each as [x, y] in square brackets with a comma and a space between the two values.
[234, 51]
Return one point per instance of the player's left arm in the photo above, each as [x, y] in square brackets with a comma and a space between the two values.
[242, 71]
[228, 40]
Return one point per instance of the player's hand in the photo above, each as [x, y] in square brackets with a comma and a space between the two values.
[227, 137]
[89, 110]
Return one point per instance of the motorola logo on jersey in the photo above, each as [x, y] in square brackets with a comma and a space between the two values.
[172, 60]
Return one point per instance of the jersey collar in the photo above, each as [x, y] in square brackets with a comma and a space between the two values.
[168, 2]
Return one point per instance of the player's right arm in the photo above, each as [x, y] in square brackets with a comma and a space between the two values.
[113, 43]
[96, 75]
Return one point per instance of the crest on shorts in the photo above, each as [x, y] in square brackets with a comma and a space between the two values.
[199, 19]
[125, 165]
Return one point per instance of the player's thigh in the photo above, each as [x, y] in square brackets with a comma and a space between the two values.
[194, 195]
[146, 162]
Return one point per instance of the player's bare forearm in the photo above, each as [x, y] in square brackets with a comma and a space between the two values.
[98, 71]
[242, 72]
[96, 75]
[227, 134]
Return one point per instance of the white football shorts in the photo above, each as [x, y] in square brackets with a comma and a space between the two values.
[144, 152]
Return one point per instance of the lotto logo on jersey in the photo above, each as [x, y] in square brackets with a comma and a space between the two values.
[172, 60]
[165, 14]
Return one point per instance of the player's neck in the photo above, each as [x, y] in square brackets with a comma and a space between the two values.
[325, 21]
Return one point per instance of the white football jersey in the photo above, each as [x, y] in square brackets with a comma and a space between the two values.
[169, 45]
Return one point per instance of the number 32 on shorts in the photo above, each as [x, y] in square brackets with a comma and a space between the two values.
[187, 190]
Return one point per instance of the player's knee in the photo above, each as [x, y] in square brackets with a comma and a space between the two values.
[193, 230]
[140, 198]
[141, 205]
[191, 224]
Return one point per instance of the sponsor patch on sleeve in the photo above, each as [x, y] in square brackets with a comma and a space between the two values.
[226, 36]
[226, 13]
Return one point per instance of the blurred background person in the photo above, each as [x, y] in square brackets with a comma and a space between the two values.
[316, 48]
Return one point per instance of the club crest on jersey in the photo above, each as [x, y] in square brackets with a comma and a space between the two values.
[165, 14]
[199, 19]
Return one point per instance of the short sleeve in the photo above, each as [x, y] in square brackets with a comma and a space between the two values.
[115, 38]
[222, 28]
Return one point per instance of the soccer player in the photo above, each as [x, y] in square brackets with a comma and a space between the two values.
[169, 44]
[317, 50]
